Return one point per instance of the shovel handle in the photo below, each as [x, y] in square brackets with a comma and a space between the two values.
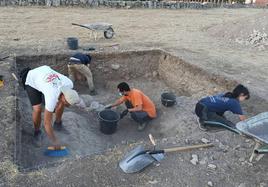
[15, 77]
[152, 139]
[174, 149]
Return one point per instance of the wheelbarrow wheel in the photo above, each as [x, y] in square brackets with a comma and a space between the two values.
[109, 33]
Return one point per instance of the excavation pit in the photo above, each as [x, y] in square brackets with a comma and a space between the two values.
[154, 72]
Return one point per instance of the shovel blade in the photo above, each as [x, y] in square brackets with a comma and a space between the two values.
[136, 160]
[158, 156]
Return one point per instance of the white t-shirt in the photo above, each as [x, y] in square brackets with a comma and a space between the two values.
[49, 82]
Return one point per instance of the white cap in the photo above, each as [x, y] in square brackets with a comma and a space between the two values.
[70, 95]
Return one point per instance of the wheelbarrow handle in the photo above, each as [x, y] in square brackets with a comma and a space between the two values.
[177, 149]
[80, 25]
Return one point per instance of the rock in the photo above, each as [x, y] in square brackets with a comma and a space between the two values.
[237, 147]
[153, 182]
[210, 183]
[242, 185]
[155, 73]
[147, 75]
[263, 184]
[241, 159]
[212, 166]
[115, 66]
[87, 99]
[194, 159]
[164, 140]
[204, 140]
[202, 162]
[96, 106]
[223, 147]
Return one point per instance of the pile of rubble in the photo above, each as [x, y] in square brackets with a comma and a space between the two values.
[257, 39]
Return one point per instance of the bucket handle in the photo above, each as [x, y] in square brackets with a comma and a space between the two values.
[169, 100]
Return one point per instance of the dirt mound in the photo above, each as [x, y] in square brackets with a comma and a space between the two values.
[250, 31]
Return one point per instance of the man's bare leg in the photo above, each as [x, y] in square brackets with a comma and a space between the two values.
[59, 111]
[36, 116]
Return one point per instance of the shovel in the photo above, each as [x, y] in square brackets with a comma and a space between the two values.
[140, 158]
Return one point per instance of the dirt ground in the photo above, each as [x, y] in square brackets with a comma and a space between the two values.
[193, 35]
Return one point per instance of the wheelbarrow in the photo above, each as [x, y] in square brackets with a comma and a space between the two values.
[106, 28]
[255, 128]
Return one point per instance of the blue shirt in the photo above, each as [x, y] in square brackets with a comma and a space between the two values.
[220, 104]
[80, 58]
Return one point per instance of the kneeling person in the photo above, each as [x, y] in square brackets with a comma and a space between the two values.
[140, 106]
[212, 108]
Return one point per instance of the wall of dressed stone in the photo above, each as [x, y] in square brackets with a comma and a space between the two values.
[118, 4]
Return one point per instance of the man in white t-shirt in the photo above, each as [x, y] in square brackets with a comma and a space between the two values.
[56, 89]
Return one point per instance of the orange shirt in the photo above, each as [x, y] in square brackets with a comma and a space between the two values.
[136, 97]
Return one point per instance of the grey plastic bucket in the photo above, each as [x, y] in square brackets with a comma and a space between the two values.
[72, 43]
[108, 121]
[168, 99]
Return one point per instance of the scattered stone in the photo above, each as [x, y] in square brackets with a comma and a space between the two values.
[237, 147]
[204, 140]
[164, 140]
[224, 148]
[96, 106]
[212, 166]
[242, 185]
[242, 159]
[186, 141]
[115, 66]
[155, 73]
[263, 184]
[210, 183]
[202, 162]
[194, 159]
[87, 99]
[153, 182]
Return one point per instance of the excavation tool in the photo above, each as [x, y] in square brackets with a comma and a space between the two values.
[140, 158]
[56, 152]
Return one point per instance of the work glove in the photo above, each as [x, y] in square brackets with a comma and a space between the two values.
[124, 113]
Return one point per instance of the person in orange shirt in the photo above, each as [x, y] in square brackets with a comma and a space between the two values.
[140, 106]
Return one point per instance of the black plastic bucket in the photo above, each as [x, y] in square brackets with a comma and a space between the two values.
[108, 121]
[168, 99]
[72, 43]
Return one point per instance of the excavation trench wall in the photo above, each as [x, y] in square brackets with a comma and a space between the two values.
[175, 72]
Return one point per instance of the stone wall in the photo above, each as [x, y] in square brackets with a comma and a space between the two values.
[112, 4]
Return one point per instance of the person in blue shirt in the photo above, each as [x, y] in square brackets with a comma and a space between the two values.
[79, 64]
[212, 108]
